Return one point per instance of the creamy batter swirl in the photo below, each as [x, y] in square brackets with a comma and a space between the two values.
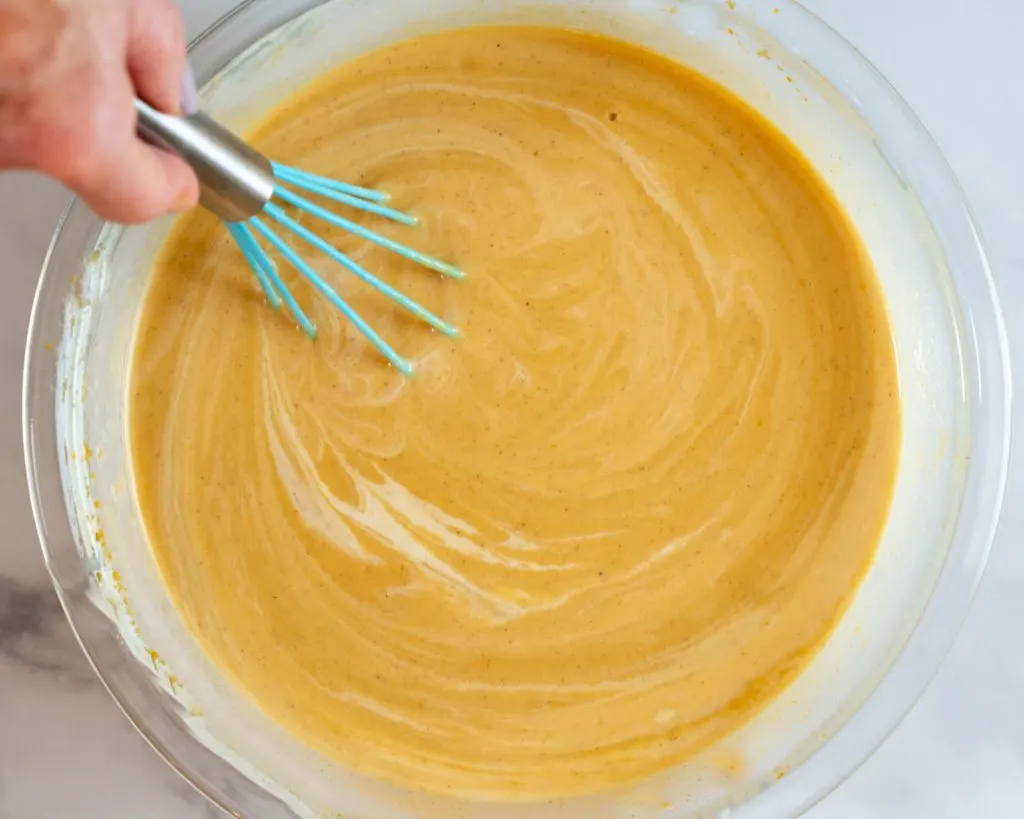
[599, 531]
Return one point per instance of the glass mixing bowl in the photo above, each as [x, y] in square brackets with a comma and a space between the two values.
[954, 380]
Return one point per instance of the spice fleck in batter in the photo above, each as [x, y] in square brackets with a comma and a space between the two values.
[605, 527]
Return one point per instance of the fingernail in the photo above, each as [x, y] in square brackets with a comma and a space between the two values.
[189, 93]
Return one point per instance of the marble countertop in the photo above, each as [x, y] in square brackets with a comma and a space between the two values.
[66, 752]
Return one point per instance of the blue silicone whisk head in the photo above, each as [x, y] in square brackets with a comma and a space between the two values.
[290, 179]
[244, 188]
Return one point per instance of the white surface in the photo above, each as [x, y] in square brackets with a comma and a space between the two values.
[65, 751]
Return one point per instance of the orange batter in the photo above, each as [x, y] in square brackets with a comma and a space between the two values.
[605, 527]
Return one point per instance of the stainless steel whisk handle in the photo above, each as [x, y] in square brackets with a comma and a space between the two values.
[236, 181]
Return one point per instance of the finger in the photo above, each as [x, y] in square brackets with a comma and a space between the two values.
[129, 181]
[94, 149]
[156, 53]
[141, 184]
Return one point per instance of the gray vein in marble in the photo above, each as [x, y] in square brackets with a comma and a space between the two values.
[34, 633]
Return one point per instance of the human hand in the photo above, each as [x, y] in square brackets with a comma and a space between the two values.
[69, 73]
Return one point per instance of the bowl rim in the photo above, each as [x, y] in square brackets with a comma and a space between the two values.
[994, 392]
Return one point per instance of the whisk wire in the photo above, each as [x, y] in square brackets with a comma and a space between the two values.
[304, 268]
[294, 176]
[324, 247]
[257, 260]
[308, 326]
[356, 202]
[352, 227]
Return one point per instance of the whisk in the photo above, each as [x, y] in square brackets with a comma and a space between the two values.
[244, 188]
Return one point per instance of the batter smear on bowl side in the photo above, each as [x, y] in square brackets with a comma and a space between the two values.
[602, 529]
